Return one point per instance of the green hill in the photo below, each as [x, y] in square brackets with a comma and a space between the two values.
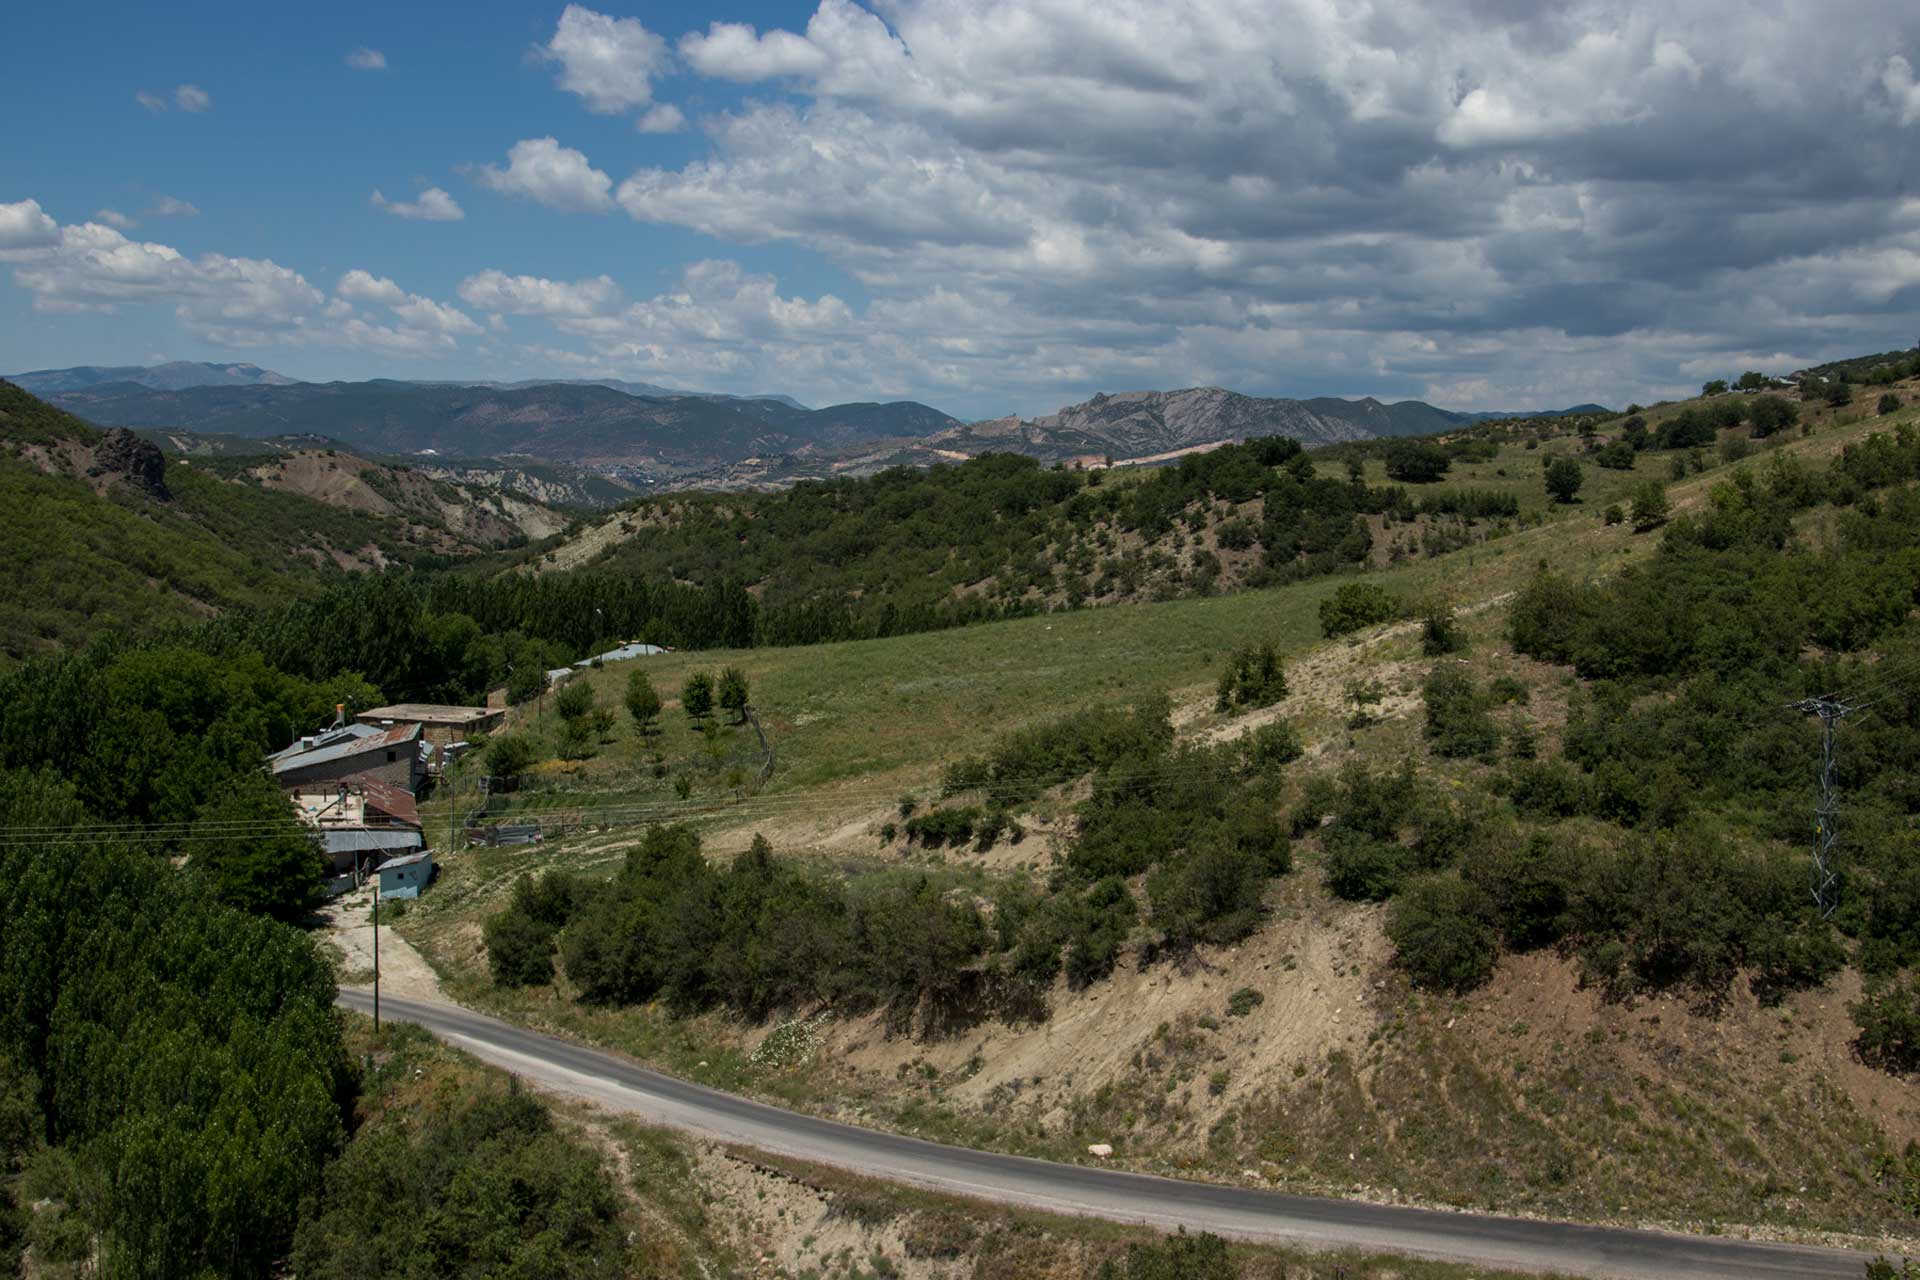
[84, 548]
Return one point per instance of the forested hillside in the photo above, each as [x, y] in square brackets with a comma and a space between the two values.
[97, 537]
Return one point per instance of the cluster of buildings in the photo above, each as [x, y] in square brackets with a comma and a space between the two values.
[354, 784]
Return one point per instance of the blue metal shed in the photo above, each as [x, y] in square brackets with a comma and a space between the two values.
[406, 877]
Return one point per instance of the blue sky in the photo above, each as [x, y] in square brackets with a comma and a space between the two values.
[990, 205]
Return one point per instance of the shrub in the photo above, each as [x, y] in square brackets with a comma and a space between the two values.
[1887, 1017]
[1889, 403]
[1440, 631]
[1356, 605]
[1771, 414]
[1212, 894]
[574, 700]
[1267, 748]
[1178, 1257]
[1236, 534]
[1414, 462]
[1363, 868]
[1614, 515]
[937, 828]
[1252, 678]
[509, 755]
[1457, 720]
[696, 696]
[1649, 506]
[1442, 934]
[519, 949]
[577, 741]
[1243, 1002]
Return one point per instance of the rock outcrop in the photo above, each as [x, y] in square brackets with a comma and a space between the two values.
[139, 462]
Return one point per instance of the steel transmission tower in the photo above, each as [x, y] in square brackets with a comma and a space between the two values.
[1826, 832]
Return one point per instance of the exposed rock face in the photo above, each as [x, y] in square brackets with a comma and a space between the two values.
[139, 462]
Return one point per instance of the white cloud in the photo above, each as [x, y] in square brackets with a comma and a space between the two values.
[559, 177]
[116, 219]
[365, 59]
[191, 97]
[663, 118]
[227, 301]
[363, 286]
[609, 62]
[169, 207]
[434, 205]
[151, 101]
[497, 291]
[1898, 80]
[24, 225]
[731, 51]
[413, 310]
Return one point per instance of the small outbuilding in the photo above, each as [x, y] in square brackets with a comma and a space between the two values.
[406, 877]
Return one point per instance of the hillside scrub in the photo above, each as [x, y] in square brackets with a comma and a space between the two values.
[1357, 605]
[769, 933]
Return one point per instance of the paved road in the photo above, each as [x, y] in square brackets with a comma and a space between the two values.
[1516, 1243]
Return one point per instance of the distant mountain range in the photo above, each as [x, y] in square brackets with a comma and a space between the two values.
[652, 435]
[173, 376]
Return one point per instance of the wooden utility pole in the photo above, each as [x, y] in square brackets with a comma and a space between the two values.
[376, 951]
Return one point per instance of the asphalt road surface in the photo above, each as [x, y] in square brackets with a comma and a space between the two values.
[1166, 1203]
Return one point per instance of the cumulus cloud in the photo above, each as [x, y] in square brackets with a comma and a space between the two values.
[663, 118]
[24, 225]
[732, 51]
[191, 97]
[414, 311]
[433, 205]
[169, 207]
[365, 59]
[1405, 197]
[542, 170]
[497, 291]
[609, 62]
[229, 301]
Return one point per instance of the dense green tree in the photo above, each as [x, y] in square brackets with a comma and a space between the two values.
[643, 703]
[1564, 479]
[1714, 387]
[253, 853]
[575, 699]
[1770, 414]
[1649, 506]
[509, 755]
[1442, 934]
[696, 696]
[732, 694]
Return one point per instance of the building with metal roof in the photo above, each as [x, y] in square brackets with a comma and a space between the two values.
[393, 755]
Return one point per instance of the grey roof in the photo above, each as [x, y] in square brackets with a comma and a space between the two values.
[621, 654]
[365, 841]
[326, 737]
[341, 744]
[407, 861]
